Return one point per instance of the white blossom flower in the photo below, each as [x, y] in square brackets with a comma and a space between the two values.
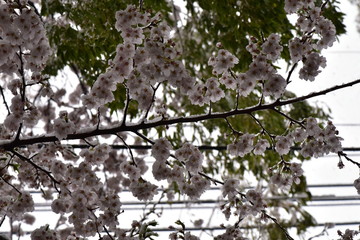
[230, 188]
[261, 146]
[222, 62]
[283, 144]
[143, 190]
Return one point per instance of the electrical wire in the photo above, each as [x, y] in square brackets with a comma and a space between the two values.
[200, 147]
[217, 228]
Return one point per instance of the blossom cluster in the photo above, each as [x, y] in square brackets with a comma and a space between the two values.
[24, 47]
[307, 49]
[288, 175]
[320, 141]
[230, 188]
[315, 141]
[231, 233]
[191, 160]
[222, 62]
[242, 146]
[22, 30]
[23, 204]
[192, 157]
[260, 70]
[202, 94]
[357, 185]
[245, 144]
[63, 127]
[146, 58]
[44, 233]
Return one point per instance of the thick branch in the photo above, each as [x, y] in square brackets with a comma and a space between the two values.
[163, 122]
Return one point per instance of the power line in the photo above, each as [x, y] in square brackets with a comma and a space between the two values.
[200, 147]
[205, 207]
[344, 52]
[332, 185]
[251, 227]
[347, 124]
[326, 198]
[217, 228]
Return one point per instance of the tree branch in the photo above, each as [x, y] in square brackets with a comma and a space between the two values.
[10, 145]
[290, 73]
[278, 225]
[3, 96]
[129, 149]
[127, 102]
[25, 159]
[289, 118]
[342, 154]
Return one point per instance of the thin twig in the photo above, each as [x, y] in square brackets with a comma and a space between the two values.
[231, 127]
[209, 113]
[262, 127]
[88, 143]
[22, 73]
[129, 148]
[278, 224]
[141, 2]
[237, 90]
[152, 102]
[342, 154]
[99, 118]
[322, 233]
[237, 99]
[108, 233]
[290, 73]
[213, 180]
[144, 137]
[2, 219]
[25, 159]
[11, 185]
[31, 3]
[127, 102]
[324, 4]
[75, 70]
[3, 96]
[17, 137]
[289, 118]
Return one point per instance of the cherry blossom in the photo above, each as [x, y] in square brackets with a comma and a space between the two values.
[84, 187]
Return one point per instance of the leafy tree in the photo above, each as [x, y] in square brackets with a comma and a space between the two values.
[141, 82]
[90, 42]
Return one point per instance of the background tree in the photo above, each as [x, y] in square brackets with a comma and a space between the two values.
[90, 41]
[207, 23]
